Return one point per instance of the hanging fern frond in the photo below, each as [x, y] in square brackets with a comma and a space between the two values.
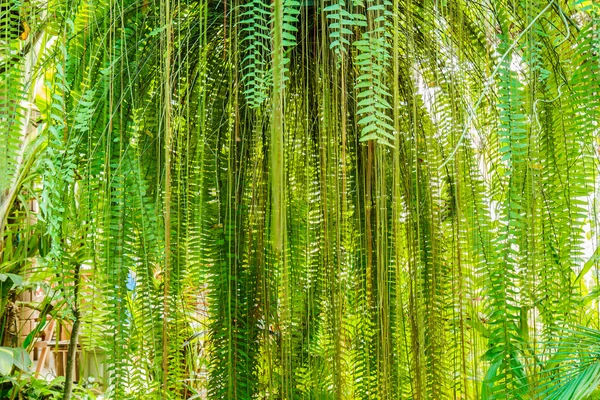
[506, 376]
[256, 42]
[340, 27]
[373, 61]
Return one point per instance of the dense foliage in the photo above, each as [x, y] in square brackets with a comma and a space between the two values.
[332, 199]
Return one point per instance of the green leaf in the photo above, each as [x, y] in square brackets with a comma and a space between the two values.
[6, 360]
[21, 359]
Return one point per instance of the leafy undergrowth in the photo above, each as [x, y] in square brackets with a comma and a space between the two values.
[28, 387]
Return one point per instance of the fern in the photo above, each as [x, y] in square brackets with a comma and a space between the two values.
[373, 61]
[14, 86]
[289, 31]
[340, 27]
[231, 163]
[506, 375]
[256, 73]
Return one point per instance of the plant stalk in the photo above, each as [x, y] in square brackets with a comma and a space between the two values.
[71, 356]
[72, 351]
